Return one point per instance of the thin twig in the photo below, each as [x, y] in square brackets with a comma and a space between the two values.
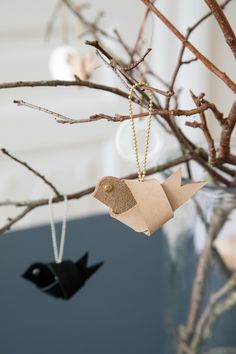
[189, 61]
[117, 118]
[223, 23]
[193, 124]
[136, 63]
[55, 83]
[36, 173]
[217, 114]
[51, 20]
[140, 33]
[227, 130]
[116, 66]
[113, 62]
[148, 69]
[204, 127]
[210, 66]
[93, 26]
[14, 220]
[180, 60]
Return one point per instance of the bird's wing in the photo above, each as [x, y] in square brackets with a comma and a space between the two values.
[152, 202]
[132, 218]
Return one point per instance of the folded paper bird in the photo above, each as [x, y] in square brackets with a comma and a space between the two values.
[81, 65]
[61, 280]
[144, 206]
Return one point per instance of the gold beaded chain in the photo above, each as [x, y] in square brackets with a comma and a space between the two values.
[141, 173]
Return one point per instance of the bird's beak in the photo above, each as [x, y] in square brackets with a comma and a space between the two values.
[25, 275]
[96, 190]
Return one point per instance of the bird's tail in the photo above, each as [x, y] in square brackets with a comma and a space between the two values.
[87, 271]
[178, 194]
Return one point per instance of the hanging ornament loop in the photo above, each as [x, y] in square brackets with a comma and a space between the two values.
[58, 251]
[141, 171]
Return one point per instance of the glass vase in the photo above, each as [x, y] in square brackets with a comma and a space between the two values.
[201, 297]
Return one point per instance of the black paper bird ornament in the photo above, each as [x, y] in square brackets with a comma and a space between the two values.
[61, 280]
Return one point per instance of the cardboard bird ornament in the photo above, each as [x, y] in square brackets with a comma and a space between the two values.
[144, 205]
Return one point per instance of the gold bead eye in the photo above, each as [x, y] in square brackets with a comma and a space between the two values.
[108, 188]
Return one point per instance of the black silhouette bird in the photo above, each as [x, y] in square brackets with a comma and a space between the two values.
[61, 280]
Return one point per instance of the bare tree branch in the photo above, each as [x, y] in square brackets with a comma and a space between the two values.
[92, 25]
[193, 124]
[117, 118]
[50, 23]
[185, 143]
[226, 133]
[136, 63]
[148, 69]
[139, 39]
[55, 83]
[223, 23]
[115, 65]
[180, 61]
[36, 173]
[210, 66]
[205, 130]
[14, 220]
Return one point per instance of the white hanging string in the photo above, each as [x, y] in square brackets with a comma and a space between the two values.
[58, 252]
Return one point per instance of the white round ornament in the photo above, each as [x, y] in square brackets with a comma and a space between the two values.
[59, 66]
[124, 144]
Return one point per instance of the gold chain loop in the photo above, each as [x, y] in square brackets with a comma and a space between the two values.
[141, 172]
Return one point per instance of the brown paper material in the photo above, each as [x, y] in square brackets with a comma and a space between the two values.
[144, 206]
[120, 199]
[81, 66]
